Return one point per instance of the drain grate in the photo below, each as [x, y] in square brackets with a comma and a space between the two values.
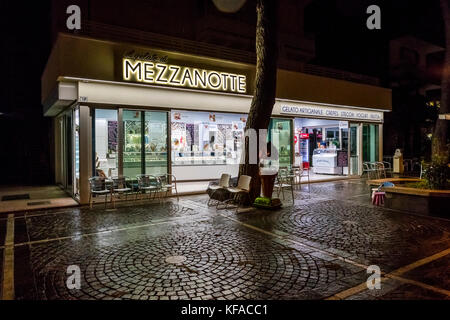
[175, 259]
[38, 203]
[25, 196]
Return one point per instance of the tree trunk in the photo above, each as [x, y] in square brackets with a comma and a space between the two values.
[265, 83]
[440, 135]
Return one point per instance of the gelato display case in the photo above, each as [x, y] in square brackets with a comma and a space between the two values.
[205, 144]
[199, 158]
[200, 139]
[325, 161]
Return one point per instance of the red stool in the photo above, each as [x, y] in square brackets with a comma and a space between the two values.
[378, 198]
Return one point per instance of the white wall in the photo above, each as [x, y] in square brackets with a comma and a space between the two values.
[212, 172]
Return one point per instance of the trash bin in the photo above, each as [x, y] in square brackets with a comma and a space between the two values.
[398, 162]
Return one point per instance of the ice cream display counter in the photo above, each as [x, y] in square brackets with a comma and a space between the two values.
[205, 158]
[325, 161]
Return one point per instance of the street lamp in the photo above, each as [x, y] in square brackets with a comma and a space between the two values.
[229, 6]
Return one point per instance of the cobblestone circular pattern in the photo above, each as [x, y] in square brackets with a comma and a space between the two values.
[225, 265]
[175, 259]
[370, 232]
[84, 220]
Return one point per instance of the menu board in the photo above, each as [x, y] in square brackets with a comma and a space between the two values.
[112, 136]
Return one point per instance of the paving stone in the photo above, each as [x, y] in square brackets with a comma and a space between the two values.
[226, 260]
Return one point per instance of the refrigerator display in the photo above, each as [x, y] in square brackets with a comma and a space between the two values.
[304, 149]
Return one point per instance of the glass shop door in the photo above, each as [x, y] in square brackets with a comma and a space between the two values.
[355, 149]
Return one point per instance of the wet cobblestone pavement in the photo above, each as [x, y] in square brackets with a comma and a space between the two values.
[317, 248]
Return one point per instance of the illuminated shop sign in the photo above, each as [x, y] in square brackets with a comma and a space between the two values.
[153, 72]
[332, 112]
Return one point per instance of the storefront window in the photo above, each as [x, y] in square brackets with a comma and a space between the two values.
[106, 142]
[322, 145]
[133, 138]
[145, 143]
[68, 154]
[76, 142]
[354, 148]
[203, 138]
[155, 142]
[280, 135]
[370, 143]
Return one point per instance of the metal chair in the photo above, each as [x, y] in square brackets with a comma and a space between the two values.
[380, 169]
[98, 187]
[387, 168]
[416, 165]
[367, 169]
[243, 188]
[375, 170]
[296, 172]
[120, 186]
[148, 183]
[284, 180]
[223, 184]
[305, 173]
[168, 183]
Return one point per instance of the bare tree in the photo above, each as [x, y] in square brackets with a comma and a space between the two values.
[265, 83]
[440, 137]
[266, 76]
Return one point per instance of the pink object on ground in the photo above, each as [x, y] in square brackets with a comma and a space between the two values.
[378, 198]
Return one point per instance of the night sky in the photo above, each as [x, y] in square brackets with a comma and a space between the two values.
[342, 42]
[24, 132]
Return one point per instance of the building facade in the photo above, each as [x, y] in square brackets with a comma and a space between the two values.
[126, 110]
